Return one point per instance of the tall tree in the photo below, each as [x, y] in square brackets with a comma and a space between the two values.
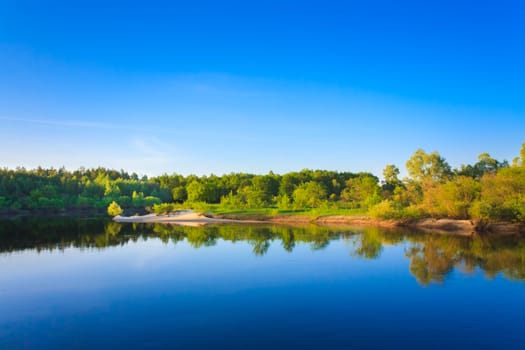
[424, 166]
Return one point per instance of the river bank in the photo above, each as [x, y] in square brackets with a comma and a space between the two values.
[442, 226]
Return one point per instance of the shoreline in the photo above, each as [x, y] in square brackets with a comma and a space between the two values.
[441, 226]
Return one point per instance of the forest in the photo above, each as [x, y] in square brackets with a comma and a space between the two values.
[488, 190]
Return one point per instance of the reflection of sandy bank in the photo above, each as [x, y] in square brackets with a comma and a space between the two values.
[184, 218]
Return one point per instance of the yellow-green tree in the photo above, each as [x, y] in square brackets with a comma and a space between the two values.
[361, 191]
[423, 167]
[114, 209]
[309, 194]
[451, 199]
[502, 196]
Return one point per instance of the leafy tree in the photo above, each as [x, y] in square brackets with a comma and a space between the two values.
[502, 196]
[163, 208]
[390, 180]
[309, 194]
[179, 194]
[453, 198]
[424, 167]
[201, 192]
[361, 189]
[485, 165]
[522, 154]
[283, 201]
[112, 190]
[289, 183]
[114, 209]
[520, 161]
[231, 201]
[390, 175]
[266, 186]
[253, 197]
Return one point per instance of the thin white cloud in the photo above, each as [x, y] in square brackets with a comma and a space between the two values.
[183, 127]
[133, 126]
[71, 123]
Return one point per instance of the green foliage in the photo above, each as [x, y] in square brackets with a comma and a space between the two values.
[390, 176]
[384, 210]
[201, 207]
[163, 208]
[149, 201]
[114, 209]
[179, 194]
[486, 190]
[388, 209]
[502, 196]
[309, 195]
[283, 201]
[424, 167]
[362, 191]
[485, 165]
[231, 201]
[201, 192]
[451, 199]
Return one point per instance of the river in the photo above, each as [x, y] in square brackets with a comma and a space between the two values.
[84, 284]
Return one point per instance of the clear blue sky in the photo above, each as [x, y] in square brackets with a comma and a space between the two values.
[253, 86]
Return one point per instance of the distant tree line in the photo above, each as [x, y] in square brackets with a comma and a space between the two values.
[487, 190]
[90, 189]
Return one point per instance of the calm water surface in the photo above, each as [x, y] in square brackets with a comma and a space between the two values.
[83, 284]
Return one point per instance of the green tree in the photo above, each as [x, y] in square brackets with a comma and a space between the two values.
[390, 174]
[486, 164]
[163, 208]
[179, 194]
[202, 192]
[310, 194]
[502, 196]
[453, 198]
[111, 190]
[361, 190]
[390, 180]
[423, 167]
[289, 183]
[522, 154]
[520, 161]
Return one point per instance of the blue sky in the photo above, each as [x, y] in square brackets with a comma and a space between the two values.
[220, 86]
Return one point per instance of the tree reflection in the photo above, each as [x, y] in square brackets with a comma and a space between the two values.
[432, 257]
[369, 244]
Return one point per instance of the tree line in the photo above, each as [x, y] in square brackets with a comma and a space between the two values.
[488, 190]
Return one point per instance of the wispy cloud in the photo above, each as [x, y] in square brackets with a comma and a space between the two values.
[150, 155]
[130, 126]
[70, 123]
[187, 128]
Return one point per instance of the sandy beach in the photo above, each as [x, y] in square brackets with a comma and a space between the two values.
[183, 217]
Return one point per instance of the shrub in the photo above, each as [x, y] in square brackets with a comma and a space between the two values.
[114, 209]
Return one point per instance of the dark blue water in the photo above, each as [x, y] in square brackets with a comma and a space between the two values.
[258, 288]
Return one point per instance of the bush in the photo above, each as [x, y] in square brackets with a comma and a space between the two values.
[114, 209]
[384, 210]
[163, 208]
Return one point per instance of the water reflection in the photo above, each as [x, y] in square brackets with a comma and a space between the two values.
[432, 257]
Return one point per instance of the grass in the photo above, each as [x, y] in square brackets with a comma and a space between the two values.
[218, 210]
